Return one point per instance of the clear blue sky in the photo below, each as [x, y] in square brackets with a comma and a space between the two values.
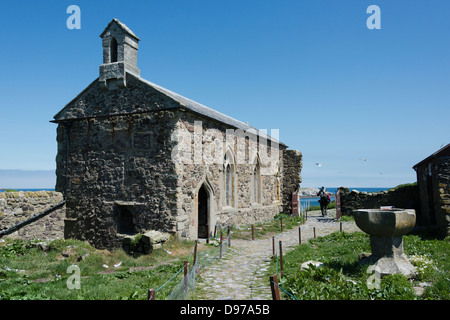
[337, 91]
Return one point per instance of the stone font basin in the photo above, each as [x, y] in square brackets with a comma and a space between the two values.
[385, 223]
[386, 228]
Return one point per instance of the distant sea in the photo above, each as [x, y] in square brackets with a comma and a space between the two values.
[332, 191]
[44, 189]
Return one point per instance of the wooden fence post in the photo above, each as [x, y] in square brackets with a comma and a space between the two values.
[195, 253]
[340, 226]
[274, 287]
[281, 223]
[185, 275]
[229, 236]
[220, 245]
[299, 235]
[281, 259]
[314, 230]
[253, 232]
[151, 294]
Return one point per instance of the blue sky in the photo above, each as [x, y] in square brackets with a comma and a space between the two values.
[337, 91]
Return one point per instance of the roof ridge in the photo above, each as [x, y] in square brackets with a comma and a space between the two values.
[122, 25]
[433, 155]
[207, 111]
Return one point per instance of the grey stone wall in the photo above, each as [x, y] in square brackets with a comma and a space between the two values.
[246, 207]
[406, 197]
[292, 166]
[443, 195]
[16, 207]
[113, 164]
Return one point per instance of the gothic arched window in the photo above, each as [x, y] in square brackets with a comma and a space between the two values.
[113, 50]
[256, 184]
[229, 180]
[228, 185]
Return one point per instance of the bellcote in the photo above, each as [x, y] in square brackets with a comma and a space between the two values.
[120, 46]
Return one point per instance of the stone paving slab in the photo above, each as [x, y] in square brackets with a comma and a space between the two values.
[242, 272]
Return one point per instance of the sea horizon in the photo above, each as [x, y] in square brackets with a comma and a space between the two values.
[332, 191]
[360, 189]
[27, 189]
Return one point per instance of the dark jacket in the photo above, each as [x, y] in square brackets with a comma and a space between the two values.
[324, 197]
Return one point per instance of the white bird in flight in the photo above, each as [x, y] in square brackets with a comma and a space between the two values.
[319, 164]
[363, 159]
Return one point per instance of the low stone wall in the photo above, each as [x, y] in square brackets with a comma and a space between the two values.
[16, 207]
[406, 197]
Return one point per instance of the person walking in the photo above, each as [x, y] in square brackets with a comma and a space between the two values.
[324, 200]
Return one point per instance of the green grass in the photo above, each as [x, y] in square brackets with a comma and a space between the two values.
[404, 185]
[343, 277]
[45, 272]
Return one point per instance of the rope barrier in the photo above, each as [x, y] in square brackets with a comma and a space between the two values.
[284, 290]
[276, 266]
[170, 279]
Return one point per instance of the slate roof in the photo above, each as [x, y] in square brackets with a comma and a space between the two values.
[182, 102]
[122, 25]
[443, 152]
[207, 112]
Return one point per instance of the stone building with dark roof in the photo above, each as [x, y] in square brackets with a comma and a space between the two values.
[134, 156]
[433, 181]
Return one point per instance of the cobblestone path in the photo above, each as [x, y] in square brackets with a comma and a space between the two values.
[242, 272]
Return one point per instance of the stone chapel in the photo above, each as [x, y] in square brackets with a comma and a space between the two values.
[134, 156]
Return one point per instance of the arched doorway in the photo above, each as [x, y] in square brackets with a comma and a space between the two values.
[203, 207]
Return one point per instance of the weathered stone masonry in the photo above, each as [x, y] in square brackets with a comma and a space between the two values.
[116, 167]
[245, 206]
[292, 166]
[16, 207]
[406, 197]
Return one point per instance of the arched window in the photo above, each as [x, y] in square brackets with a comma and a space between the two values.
[228, 185]
[278, 187]
[229, 180]
[256, 183]
[113, 50]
